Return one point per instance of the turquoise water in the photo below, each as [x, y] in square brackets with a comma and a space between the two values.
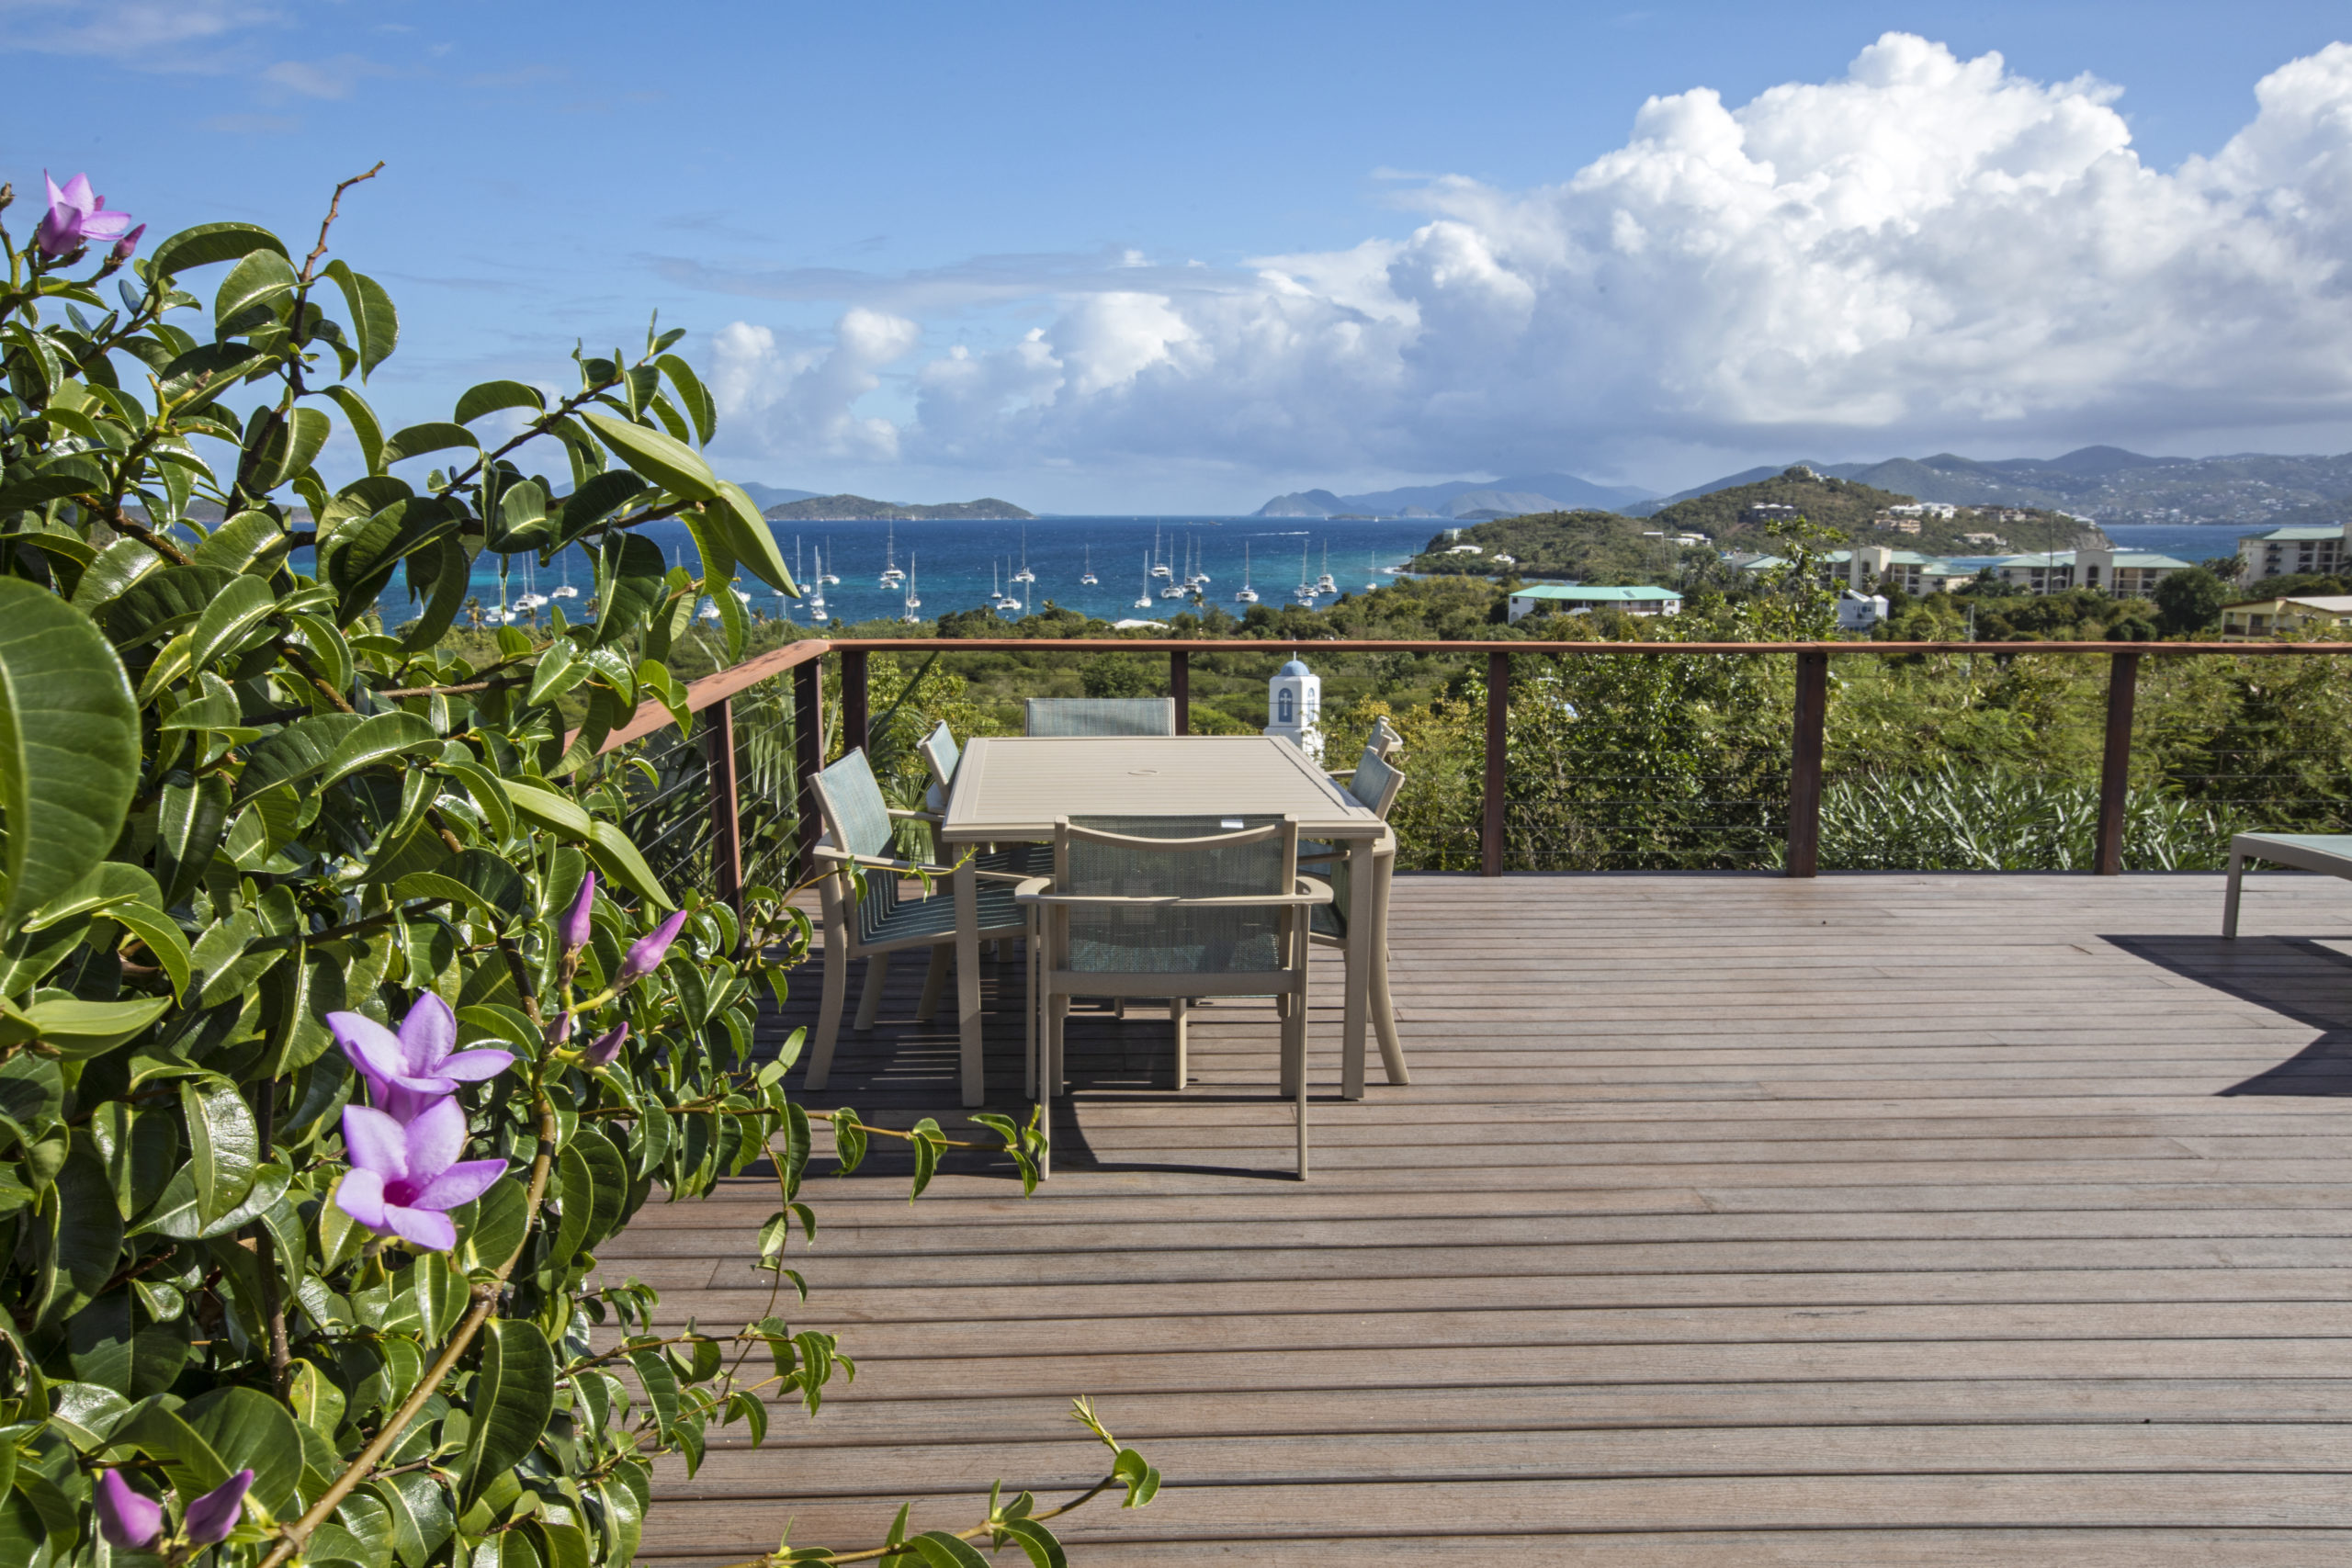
[953, 563]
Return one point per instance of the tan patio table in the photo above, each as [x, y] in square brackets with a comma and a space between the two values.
[1011, 790]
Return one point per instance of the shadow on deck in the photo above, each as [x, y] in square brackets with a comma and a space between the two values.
[1876, 1219]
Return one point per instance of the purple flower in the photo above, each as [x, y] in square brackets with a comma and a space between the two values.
[560, 1030]
[577, 927]
[75, 218]
[127, 1519]
[408, 1072]
[645, 956]
[607, 1048]
[212, 1516]
[126, 247]
[402, 1177]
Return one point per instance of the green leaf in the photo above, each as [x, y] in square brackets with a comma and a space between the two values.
[422, 1521]
[629, 571]
[86, 1236]
[176, 1212]
[157, 605]
[224, 1145]
[210, 243]
[377, 738]
[419, 439]
[366, 428]
[1035, 1538]
[618, 859]
[375, 324]
[477, 878]
[292, 453]
[492, 396]
[668, 462]
[261, 279]
[233, 546]
[928, 1141]
[940, 1549]
[514, 1396]
[75, 1029]
[692, 394]
[293, 753]
[752, 537]
[243, 604]
[189, 827]
[164, 938]
[849, 1140]
[118, 566]
[556, 673]
[443, 566]
[249, 1430]
[661, 1387]
[558, 813]
[69, 747]
[500, 1223]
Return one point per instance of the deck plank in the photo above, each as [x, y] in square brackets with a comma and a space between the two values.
[1729, 1220]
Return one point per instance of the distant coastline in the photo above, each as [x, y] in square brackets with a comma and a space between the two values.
[859, 509]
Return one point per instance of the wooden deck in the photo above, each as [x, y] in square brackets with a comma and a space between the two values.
[1881, 1219]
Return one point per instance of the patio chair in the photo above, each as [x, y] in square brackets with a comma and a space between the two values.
[867, 917]
[2330, 854]
[1102, 716]
[1141, 906]
[941, 755]
[1374, 783]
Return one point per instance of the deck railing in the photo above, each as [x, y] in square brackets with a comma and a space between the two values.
[754, 747]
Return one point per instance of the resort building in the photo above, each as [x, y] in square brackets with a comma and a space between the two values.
[2318, 616]
[2126, 574]
[1575, 599]
[2283, 551]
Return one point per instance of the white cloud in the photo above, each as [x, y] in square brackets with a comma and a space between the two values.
[330, 78]
[777, 397]
[150, 35]
[1929, 250]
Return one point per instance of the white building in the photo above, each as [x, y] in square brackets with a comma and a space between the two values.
[1294, 707]
[1575, 598]
[2282, 552]
[1859, 612]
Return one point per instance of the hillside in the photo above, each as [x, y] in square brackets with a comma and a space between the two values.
[2105, 484]
[1605, 547]
[1456, 498]
[1590, 547]
[858, 509]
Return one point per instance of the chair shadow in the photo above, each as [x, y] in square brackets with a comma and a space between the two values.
[2295, 977]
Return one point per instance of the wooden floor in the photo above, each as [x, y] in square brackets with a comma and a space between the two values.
[1737, 1221]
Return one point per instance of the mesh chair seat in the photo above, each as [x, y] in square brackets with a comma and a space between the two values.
[1015, 860]
[894, 920]
[1147, 941]
[1102, 716]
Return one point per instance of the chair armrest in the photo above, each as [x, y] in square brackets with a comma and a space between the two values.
[1310, 891]
[881, 862]
[934, 818]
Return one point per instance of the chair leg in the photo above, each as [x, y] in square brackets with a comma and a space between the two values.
[1384, 1006]
[869, 1002]
[829, 1009]
[1177, 1014]
[1056, 1042]
[1295, 1048]
[2230, 900]
[934, 981]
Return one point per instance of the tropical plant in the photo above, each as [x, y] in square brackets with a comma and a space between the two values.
[340, 1018]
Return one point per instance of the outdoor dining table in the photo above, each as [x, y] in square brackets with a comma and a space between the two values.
[1012, 790]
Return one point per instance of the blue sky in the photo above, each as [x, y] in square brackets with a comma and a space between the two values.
[1181, 257]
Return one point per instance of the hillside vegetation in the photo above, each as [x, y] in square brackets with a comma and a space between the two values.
[858, 509]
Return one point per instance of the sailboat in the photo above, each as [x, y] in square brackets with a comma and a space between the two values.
[1157, 568]
[1304, 593]
[567, 590]
[1200, 577]
[1178, 590]
[914, 600]
[1324, 584]
[891, 576]
[997, 600]
[530, 600]
[824, 576]
[1089, 579]
[1025, 574]
[1143, 601]
[817, 599]
[1247, 594]
[1371, 571]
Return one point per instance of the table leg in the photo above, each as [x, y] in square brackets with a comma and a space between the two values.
[968, 982]
[1362, 869]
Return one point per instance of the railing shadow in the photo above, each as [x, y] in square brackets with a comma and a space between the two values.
[2295, 977]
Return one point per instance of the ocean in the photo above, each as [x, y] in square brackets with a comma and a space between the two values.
[2195, 543]
[954, 562]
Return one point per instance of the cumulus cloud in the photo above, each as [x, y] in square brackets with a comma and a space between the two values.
[1927, 250]
[153, 35]
[798, 398]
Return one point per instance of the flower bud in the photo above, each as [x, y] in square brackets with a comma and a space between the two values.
[212, 1516]
[560, 1031]
[577, 925]
[128, 246]
[607, 1048]
[645, 956]
[126, 1518]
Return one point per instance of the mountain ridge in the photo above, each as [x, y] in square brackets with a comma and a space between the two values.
[1454, 497]
[861, 509]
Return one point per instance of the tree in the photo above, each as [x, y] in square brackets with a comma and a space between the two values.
[341, 1014]
[2189, 602]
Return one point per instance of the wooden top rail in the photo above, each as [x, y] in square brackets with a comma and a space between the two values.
[718, 687]
[1360, 645]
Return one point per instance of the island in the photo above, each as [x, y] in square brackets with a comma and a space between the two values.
[858, 509]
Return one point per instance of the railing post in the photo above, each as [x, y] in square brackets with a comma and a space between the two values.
[1490, 825]
[1180, 687]
[2115, 765]
[808, 757]
[726, 807]
[1804, 764]
[854, 724]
